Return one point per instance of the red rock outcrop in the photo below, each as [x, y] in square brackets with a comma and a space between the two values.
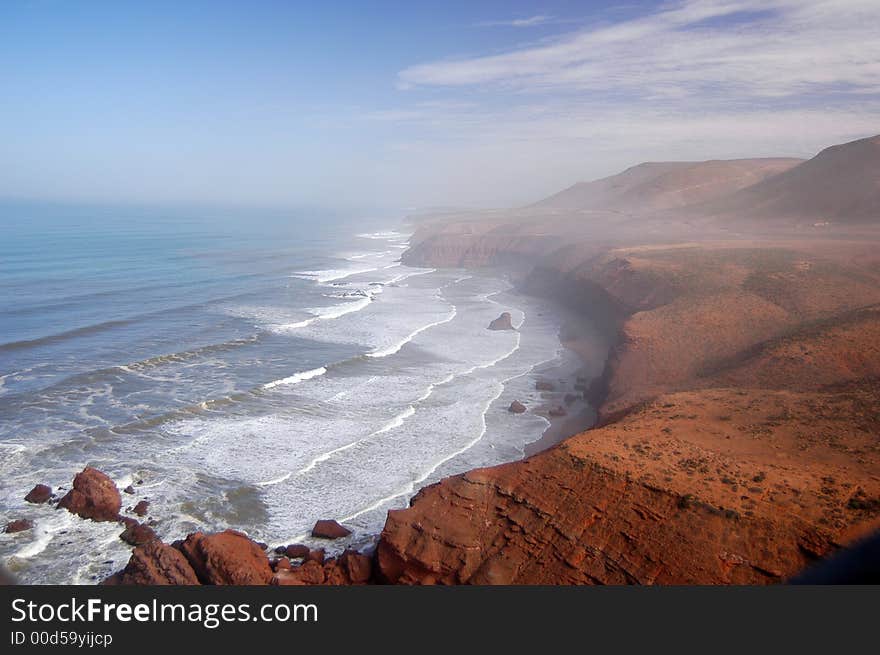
[230, 557]
[141, 508]
[137, 534]
[503, 322]
[295, 551]
[155, 563]
[689, 489]
[329, 529]
[350, 568]
[318, 555]
[309, 573]
[18, 525]
[94, 496]
[357, 566]
[226, 558]
[39, 494]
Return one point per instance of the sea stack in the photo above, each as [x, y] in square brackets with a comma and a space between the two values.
[328, 529]
[18, 525]
[94, 496]
[501, 323]
[39, 494]
[516, 407]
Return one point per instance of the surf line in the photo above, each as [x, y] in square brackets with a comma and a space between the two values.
[488, 298]
[213, 403]
[323, 277]
[330, 313]
[296, 378]
[398, 420]
[404, 276]
[396, 347]
[393, 424]
[411, 486]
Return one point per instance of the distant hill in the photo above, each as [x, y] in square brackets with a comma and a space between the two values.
[839, 185]
[663, 201]
[657, 186]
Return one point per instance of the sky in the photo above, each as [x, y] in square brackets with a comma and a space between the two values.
[398, 105]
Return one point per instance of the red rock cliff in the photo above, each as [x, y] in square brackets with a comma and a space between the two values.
[722, 458]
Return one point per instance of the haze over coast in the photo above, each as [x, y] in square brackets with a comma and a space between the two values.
[636, 342]
[736, 431]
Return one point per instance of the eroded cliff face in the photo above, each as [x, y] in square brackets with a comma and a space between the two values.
[689, 313]
[739, 436]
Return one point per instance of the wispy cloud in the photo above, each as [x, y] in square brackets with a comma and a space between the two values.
[760, 48]
[695, 79]
[532, 21]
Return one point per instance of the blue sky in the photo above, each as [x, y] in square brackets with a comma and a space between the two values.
[402, 104]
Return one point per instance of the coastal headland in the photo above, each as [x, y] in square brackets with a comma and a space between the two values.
[738, 410]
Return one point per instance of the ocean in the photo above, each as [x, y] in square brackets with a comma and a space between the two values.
[254, 370]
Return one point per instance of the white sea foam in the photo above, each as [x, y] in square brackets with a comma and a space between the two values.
[411, 486]
[394, 423]
[124, 481]
[385, 352]
[278, 480]
[385, 235]
[410, 410]
[296, 378]
[43, 534]
[330, 275]
[357, 443]
[341, 310]
[377, 254]
[404, 276]
[298, 324]
[348, 295]
[152, 485]
[328, 313]
[449, 378]
[13, 448]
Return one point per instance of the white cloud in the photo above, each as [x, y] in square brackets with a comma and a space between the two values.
[697, 79]
[532, 21]
[764, 48]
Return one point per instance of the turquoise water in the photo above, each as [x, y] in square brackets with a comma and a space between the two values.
[243, 369]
